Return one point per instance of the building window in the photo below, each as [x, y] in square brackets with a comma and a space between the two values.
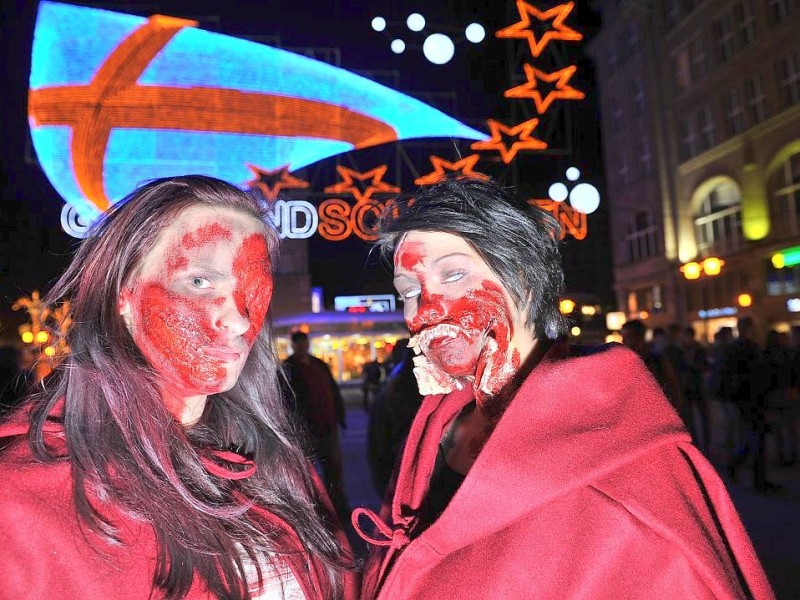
[637, 96]
[705, 124]
[632, 39]
[616, 114]
[718, 224]
[689, 141]
[755, 99]
[787, 73]
[612, 59]
[779, 10]
[641, 239]
[672, 12]
[699, 59]
[784, 189]
[745, 22]
[734, 112]
[623, 172]
[681, 69]
[725, 37]
[645, 157]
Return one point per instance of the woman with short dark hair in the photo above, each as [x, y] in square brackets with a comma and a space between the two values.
[157, 460]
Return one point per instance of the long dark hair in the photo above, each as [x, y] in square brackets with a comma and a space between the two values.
[518, 242]
[118, 428]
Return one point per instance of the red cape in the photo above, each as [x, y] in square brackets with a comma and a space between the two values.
[46, 553]
[589, 487]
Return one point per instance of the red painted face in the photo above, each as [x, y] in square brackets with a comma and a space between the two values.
[457, 310]
[200, 300]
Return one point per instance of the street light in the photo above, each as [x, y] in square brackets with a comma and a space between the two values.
[710, 267]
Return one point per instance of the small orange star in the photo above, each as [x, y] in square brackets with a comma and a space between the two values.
[463, 167]
[556, 31]
[530, 89]
[523, 134]
[348, 185]
[272, 182]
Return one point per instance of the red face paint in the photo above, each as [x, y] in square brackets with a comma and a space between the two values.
[253, 291]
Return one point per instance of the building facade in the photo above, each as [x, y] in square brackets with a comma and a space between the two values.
[701, 118]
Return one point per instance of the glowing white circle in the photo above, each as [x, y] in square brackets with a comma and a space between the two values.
[398, 46]
[584, 198]
[558, 192]
[415, 22]
[379, 23]
[72, 223]
[438, 48]
[573, 174]
[475, 32]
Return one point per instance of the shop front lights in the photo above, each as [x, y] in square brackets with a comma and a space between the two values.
[744, 300]
[712, 266]
[691, 270]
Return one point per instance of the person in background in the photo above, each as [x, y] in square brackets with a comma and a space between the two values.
[722, 450]
[371, 376]
[317, 403]
[157, 459]
[696, 408]
[634, 336]
[534, 469]
[777, 374]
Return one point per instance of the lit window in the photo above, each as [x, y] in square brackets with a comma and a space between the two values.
[734, 112]
[705, 123]
[641, 239]
[756, 100]
[784, 186]
[689, 140]
[718, 224]
[787, 73]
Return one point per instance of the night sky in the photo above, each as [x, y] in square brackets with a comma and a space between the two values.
[35, 250]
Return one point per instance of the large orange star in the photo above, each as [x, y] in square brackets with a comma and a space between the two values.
[463, 167]
[523, 134]
[348, 183]
[272, 182]
[530, 89]
[555, 31]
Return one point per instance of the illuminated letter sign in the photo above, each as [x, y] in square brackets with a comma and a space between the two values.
[117, 99]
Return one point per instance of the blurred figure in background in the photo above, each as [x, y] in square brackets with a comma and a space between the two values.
[723, 449]
[695, 365]
[393, 411]
[777, 375]
[319, 408]
[371, 376]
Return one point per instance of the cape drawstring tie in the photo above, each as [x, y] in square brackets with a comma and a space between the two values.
[395, 538]
[232, 458]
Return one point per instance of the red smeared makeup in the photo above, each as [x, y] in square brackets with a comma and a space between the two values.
[253, 291]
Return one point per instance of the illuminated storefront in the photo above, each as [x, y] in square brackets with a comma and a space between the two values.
[345, 341]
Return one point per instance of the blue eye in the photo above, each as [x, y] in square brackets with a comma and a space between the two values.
[200, 283]
[454, 276]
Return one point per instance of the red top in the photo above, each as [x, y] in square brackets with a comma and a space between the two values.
[589, 487]
[45, 552]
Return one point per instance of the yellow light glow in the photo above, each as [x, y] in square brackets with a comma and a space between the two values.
[691, 270]
[712, 265]
[566, 306]
[379, 344]
[334, 345]
[49, 351]
[615, 320]
[744, 300]
[614, 337]
[643, 314]
[362, 341]
[576, 331]
[42, 337]
[588, 310]
[778, 261]
[27, 337]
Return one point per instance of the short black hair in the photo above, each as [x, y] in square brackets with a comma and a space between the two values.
[636, 326]
[518, 241]
[299, 335]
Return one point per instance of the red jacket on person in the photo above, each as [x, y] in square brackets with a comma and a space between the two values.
[589, 487]
[45, 552]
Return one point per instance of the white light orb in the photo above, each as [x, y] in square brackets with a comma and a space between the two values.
[415, 22]
[398, 46]
[573, 174]
[558, 192]
[575, 331]
[379, 23]
[438, 48]
[475, 33]
[584, 198]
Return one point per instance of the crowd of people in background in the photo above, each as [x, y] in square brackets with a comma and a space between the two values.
[751, 389]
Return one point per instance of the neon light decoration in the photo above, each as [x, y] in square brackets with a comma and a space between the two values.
[271, 182]
[552, 31]
[522, 133]
[572, 222]
[788, 257]
[116, 99]
[441, 167]
[530, 89]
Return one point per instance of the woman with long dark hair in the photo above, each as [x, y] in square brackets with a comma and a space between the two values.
[157, 459]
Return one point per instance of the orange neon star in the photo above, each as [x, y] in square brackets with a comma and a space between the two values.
[463, 167]
[348, 183]
[555, 31]
[272, 182]
[522, 132]
[530, 89]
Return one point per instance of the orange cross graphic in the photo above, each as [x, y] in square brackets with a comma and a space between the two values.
[463, 167]
[562, 90]
[272, 182]
[556, 31]
[523, 134]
